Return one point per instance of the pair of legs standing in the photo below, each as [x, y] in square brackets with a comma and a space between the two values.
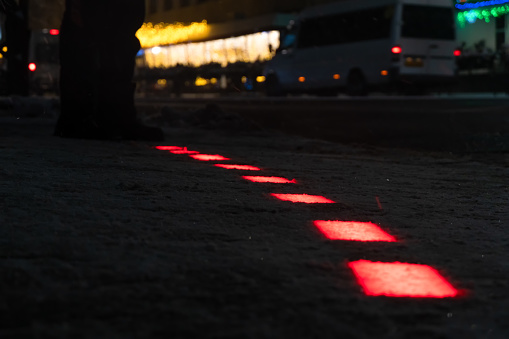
[97, 56]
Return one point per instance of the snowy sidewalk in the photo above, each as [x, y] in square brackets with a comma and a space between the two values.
[122, 240]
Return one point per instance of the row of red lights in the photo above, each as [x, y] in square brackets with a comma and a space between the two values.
[394, 279]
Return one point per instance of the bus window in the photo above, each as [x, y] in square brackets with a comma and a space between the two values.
[289, 41]
[361, 25]
[417, 23]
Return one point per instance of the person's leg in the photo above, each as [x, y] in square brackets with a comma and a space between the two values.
[78, 77]
[99, 48]
[119, 47]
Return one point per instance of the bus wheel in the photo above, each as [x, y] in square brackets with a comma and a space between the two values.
[272, 86]
[356, 84]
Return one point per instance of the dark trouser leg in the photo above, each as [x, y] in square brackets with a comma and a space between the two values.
[98, 59]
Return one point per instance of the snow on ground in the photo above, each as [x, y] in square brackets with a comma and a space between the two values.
[106, 239]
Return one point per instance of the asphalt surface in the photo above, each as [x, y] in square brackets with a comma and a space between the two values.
[116, 239]
[460, 123]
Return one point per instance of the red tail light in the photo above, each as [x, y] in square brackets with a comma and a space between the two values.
[396, 50]
[32, 67]
[457, 53]
[54, 32]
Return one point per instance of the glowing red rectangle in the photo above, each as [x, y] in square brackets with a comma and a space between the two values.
[272, 180]
[184, 151]
[208, 157]
[239, 167]
[303, 198]
[401, 280]
[353, 231]
[169, 148]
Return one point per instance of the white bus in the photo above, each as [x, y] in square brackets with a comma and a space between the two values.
[361, 44]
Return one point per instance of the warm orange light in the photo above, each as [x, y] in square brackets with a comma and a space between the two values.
[272, 180]
[239, 167]
[169, 148]
[336, 76]
[384, 73]
[302, 79]
[161, 34]
[396, 50]
[303, 198]
[353, 231]
[32, 66]
[401, 280]
[208, 157]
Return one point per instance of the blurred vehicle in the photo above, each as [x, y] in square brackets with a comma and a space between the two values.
[44, 61]
[361, 44]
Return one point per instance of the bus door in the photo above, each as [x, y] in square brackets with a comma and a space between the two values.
[427, 45]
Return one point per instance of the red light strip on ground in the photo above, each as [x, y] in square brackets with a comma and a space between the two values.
[353, 231]
[303, 198]
[239, 167]
[376, 278]
[184, 151]
[169, 148]
[208, 157]
[401, 280]
[272, 180]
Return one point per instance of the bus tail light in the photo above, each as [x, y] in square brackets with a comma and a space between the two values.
[32, 66]
[54, 32]
[457, 52]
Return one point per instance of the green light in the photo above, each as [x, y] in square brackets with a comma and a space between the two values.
[473, 15]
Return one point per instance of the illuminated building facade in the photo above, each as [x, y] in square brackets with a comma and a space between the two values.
[224, 32]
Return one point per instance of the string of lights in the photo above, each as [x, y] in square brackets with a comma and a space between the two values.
[473, 5]
[482, 14]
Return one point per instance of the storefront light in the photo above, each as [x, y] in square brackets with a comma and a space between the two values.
[485, 14]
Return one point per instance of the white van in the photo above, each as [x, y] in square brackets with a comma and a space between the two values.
[360, 44]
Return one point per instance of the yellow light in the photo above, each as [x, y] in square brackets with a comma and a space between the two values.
[244, 80]
[384, 73]
[162, 82]
[156, 50]
[201, 82]
[248, 48]
[213, 81]
[336, 76]
[161, 34]
[260, 78]
[302, 79]
[5, 49]
[1, 56]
